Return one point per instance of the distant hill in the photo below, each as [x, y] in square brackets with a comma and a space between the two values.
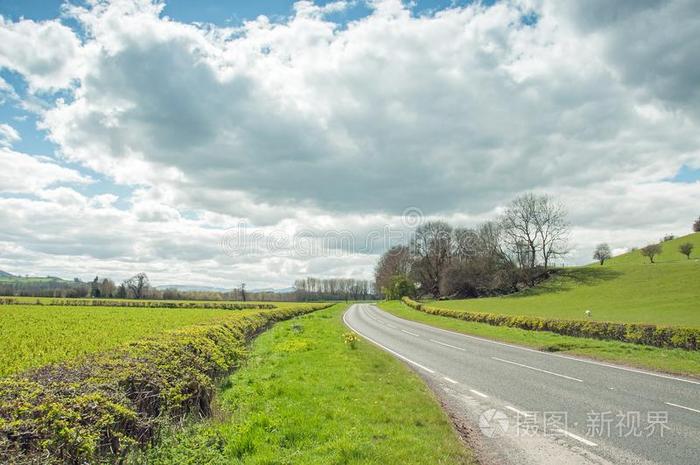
[7, 277]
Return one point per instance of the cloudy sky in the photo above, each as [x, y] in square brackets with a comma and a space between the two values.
[151, 136]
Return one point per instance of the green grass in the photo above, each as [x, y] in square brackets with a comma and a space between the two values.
[32, 336]
[675, 361]
[305, 397]
[626, 289]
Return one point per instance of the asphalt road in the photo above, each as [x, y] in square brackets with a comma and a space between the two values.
[537, 407]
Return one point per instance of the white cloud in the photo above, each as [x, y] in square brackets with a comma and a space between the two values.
[308, 123]
[343, 119]
[46, 53]
[8, 135]
[22, 173]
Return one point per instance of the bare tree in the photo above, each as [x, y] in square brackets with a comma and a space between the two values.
[696, 225]
[602, 253]
[431, 248]
[394, 262]
[552, 229]
[686, 249]
[535, 230]
[137, 285]
[520, 230]
[464, 243]
[651, 251]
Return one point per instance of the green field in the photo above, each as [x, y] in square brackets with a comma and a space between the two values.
[675, 361]
[34, 335]
[305, 397]
[626, 289]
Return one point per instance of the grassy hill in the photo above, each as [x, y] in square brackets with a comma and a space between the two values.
[670, 253]
[626, 289]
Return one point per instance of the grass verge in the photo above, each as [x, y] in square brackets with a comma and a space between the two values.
[306, 397]
[676, 361]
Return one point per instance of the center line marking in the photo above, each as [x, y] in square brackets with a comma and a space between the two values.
[449, 380]
[681, 406]
[513, 409]
[408, 332]
[578, 438]
[538, 369]
[480, 394]
[448, 345]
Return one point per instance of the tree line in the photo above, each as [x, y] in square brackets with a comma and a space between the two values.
[504, 255]
[139, 287]
[333, 289]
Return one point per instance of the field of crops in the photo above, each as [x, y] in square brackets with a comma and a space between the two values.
[34, 335]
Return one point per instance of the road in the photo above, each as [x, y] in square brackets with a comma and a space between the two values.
[525, 406]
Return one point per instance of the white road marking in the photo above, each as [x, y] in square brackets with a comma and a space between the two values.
[406, 359]
[549, 354]
[449, 380]
[480, 394]
[521, 413]
[681, 406]
[577, 437]
[448, 345]
[408, 332]
[538, 369]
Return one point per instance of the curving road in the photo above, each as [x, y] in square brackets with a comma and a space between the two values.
[524, 406]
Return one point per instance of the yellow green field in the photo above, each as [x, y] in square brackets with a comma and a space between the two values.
[34, 335]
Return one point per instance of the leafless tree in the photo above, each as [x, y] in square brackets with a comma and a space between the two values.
[651, 251]
[552, 228]
[535, 230]
[464, 243]
[519, 225]
[696, 225]
[394, 262]
[431, 249]
[137, 285]
[602, 253]
[686, 249]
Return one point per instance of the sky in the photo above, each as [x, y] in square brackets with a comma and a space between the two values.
[219, 142]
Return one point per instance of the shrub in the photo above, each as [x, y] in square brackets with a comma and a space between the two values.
[100, 407]
[142, 304]
[651, 335]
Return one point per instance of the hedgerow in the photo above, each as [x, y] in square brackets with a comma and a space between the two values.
[100, 407]
[138, 303]
[646, 334]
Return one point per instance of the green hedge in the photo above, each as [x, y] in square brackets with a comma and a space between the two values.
[138, 303]
[98, 408]
[651, 335]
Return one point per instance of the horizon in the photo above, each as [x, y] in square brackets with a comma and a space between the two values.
[140, 136]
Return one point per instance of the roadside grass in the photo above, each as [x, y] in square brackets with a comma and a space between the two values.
[32, 336]
[626, 289]
[676, 361]
[307, 397]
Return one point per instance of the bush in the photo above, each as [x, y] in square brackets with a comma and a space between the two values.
[651, 335]
[98, 408]
[141, 304]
